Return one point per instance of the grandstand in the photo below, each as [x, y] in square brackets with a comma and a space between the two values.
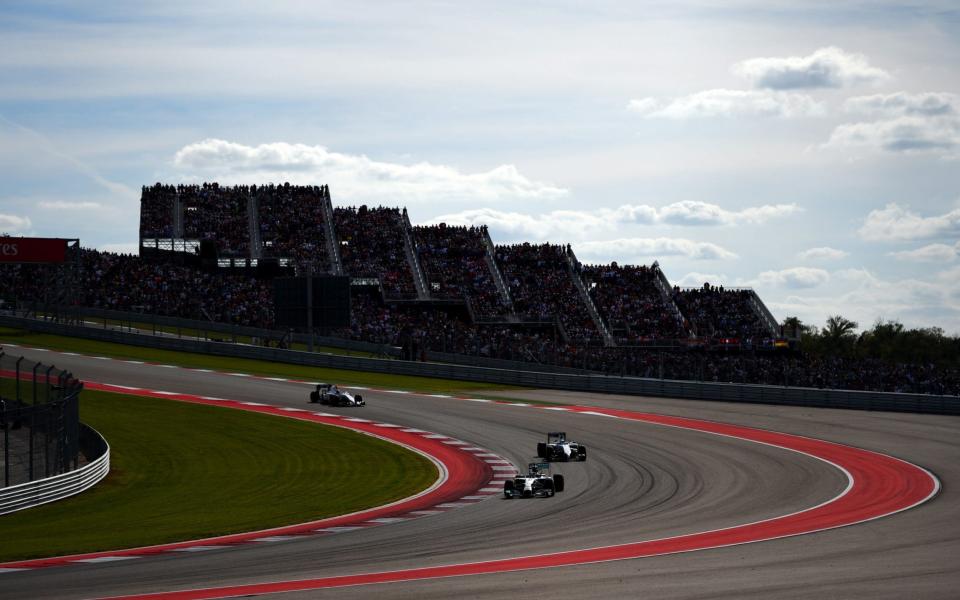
[441, 288]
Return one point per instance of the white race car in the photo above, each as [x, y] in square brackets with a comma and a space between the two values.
[559, 448]
[331, 395]
[537, 483]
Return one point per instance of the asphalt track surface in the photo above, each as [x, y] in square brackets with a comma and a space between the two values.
[641, 482]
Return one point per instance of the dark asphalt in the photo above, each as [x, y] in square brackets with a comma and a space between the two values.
[641, 482]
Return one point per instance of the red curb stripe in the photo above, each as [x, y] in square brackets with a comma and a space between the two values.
[465, 474]
[879, 486]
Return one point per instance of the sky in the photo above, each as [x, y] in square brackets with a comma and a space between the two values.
[808, 150]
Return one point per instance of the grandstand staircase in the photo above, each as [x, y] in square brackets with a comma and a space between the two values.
[253, 223]
[333, 244]
[764, 313]
[666, 293]
[177, 217]
[412, 259]
[495, 272]
[572, 264]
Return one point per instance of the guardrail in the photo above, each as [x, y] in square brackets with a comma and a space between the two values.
[58, 487]
[634, 386]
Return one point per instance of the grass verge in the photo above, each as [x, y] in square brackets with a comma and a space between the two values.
[219, 363]
[184, 471]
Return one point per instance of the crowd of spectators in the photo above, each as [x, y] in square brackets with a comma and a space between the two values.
[217, 214]
[157, 204]
[371, 245]
[125, 282]
[293, 224]
[718, 313]
[541, 286]
[630, 300]
[454, 263]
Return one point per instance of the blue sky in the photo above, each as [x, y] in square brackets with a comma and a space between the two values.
[809, 150]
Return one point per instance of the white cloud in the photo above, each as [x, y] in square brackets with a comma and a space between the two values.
[695, 279]
[356, 178]
[121, 248]
[581, 224]
[908, 123]
[930, 253]
[796, 277]
[652, 248]
[690, 212]
[898, 223]
[14, 224]
[914, 302]
[822, 253]
[905, 134]
[554, 225]
[829, 67]
[729, 103]
[929, 104]
[65, 205]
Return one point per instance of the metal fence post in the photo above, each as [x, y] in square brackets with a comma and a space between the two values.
[33, 420]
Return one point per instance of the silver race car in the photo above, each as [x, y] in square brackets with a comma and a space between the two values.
[330, 395]
[559, 448]
[537, 483]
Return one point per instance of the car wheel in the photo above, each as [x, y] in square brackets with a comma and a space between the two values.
[558, 483]
[359, 399]
[542, 450]
[508, 489]
[583, 453]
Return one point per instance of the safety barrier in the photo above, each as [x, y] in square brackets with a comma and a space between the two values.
[58, 487]
[634, 386]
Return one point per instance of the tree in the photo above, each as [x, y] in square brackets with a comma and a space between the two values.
[839, 327]
[838, 337]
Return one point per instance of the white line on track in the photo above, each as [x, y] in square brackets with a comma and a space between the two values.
[598, 414]
[337, 529]
[385, 520]
[198, 548]
[9, 569]
[275, 538]
[103, 559]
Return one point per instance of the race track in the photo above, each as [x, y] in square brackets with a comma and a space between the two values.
[641, 482]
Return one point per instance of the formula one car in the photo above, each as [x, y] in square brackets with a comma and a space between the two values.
[537, 483]
[559, 448]
[330, 395]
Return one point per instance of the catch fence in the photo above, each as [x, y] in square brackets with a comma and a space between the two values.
[39, 421]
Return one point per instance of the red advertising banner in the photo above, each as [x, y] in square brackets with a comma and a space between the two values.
[32, 250]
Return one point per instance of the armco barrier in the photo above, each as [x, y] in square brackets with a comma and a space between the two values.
[58, 487]
[634, 386]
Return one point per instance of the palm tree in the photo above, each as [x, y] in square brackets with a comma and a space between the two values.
[839, 327]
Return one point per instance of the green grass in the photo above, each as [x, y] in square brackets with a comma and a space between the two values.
[183, 471]
[271, 369]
